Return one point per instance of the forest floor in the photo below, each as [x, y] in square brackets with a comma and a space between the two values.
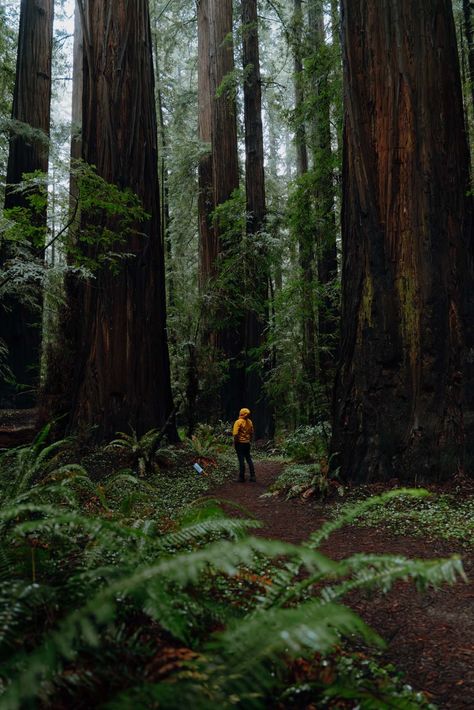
[429, 635]
[17, 426]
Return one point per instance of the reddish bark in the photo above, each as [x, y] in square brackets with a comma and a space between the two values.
[403, 399]
[255, 319]
[122, 376]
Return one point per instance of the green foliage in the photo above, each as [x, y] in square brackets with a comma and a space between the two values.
[205, 443]
[89, 243]
[444, 516]
[108, 581]
[354, 676]
[109, 218]
[306, 480]
[29, 463]
[307, 443]
[142, 448]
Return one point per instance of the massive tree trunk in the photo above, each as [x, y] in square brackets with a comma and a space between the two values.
[403, 400]
[20, 326]
[225, 179]
[122, 376]
[256, 318]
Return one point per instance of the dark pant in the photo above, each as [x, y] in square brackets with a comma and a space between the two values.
[243, 453]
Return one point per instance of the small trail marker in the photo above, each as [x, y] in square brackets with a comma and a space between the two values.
[199, 469]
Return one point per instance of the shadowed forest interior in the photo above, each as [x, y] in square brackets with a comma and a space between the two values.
[210, 205]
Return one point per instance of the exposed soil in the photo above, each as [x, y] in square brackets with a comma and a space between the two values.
[430, 635]
[17, 426]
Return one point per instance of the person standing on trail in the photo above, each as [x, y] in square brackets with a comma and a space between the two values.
[243, 434]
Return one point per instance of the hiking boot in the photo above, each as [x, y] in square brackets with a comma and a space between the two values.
[240, 480]
[252, 479]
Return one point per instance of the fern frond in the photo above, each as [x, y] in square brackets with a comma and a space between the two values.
[17, 601]
[181, 569]
[382, 571]
[312, 627]
[233, 528]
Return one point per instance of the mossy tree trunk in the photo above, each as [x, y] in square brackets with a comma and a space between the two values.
[403, 398]
[20, 325]
[122, 376]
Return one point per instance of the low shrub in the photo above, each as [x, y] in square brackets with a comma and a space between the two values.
[306, 480]
[307, 443]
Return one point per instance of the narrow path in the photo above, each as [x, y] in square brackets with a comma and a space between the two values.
[430, 635]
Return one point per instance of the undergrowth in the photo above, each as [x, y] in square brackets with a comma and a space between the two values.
[100, 607]
[306, 480]
[443, 516]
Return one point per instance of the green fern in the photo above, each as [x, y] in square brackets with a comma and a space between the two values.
[23, 466]
[142, 447]
[105, 569]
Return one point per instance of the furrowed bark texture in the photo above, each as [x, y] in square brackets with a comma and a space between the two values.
[122, 367]
[31, 105]
[256, 213]
[403, 398]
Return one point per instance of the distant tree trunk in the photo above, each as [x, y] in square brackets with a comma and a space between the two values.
[324, 195]
[404, 394]
[467, 12]
[335, 19]
[20, 327]
[77, 88]
[54, 396]
[122, 376]
[256, 212]
[304, 232]
[207, 238]
[225, 179]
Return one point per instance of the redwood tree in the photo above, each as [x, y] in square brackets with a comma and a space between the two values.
[228, 336]
[121, 376]
[303, 227]
[257, 316]
[207, 239]
[404, 392]
[323, 166]
[31, 105]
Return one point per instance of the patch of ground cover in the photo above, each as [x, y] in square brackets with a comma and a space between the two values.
[443, 515]
[348, 679]
[168, 487]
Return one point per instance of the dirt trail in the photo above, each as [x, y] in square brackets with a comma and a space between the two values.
[430, 635]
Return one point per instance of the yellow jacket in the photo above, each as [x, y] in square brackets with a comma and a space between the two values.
[243, 427]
